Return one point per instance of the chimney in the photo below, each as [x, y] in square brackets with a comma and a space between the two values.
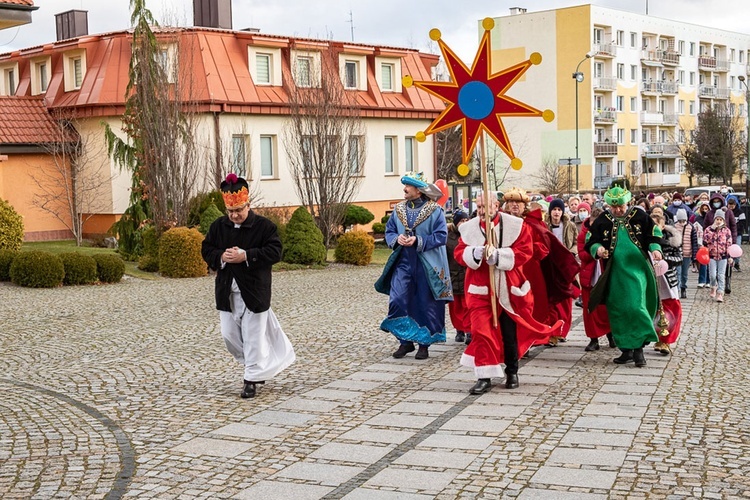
[514, 11]
[212, 14]
[72, 24]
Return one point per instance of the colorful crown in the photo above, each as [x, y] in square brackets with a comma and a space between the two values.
[617, 196]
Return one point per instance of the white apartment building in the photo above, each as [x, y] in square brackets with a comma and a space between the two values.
[645, 80]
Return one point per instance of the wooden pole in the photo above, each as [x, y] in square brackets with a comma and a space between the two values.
[490, 234]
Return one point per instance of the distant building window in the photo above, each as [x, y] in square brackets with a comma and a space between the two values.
[43, 78]
[77, 72]
[620, 38]
[620, 71]
[263, 69]
[620, 103]
[692, 107]
[410, 150]
[692, 48]
[692, 78]
[350, 74]
[386, 71]
[267, 160]
[620, 167]
[681, 107]
[633, 104]
[239, 155]
[11, 81]
[355, 144]
[307, 150]
[633, 135]
[681, 47]
[389, 166]
[620, 136]
[304, 68]
[633, 39]
[633, 72]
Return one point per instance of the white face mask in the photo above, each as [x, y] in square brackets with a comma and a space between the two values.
[582, 215]
[677, 203]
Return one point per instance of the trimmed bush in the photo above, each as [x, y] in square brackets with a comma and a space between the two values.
[11, 227]
[304, 241]
[357, 215]
[355, 247]
[201, 202]
[180, 253]
[385, 218]
[109, 267]
[79, 269]
[6, 259]
[37, 269]
[378, 228]
[208, 216]
[149, 261]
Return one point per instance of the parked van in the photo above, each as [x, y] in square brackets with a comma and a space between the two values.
[695, 192]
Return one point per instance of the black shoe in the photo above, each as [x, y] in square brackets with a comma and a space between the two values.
[511, 381]
[579, 302]
[683, 293]
[403, 350]
[593, 345]
[468, 339]
[421, 353]
[611, 340]
[625, 357]
[638, 358]
[483, 385]
[248, 391]
[460, 336]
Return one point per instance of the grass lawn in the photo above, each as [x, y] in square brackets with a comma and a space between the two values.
[379, 255]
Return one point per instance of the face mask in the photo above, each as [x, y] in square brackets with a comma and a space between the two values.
[677, 203]
[717, 204]
[582, 215]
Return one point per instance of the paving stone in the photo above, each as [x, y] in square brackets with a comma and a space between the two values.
[449, 460]
[326, 474]
[212, 447]
[420, 408]
[353, 385]
[250, 431]
[400, 420]
[377, 376]
[610, 458]
[332, 394]
[625, 399]
[456, 442]
[371, 494]
[492, 410]
[412, 479]
[360, 453]
[615, 423]
[540, 494]
[278, 490]
[367, 433]
[582, 478]
[308, 404]
[282, 417]
[469, 424]
[614, 410]
[449, 397]
[597, 437]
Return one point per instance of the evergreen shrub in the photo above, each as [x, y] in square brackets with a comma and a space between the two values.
[199, 203]
[378, 228]
[385, 218]
[79, 269]
[11, 227]
[37, 269]
[6, 259]
[109, 267]
[357, 215]
[208, 217]
[149, 261]
[355, 247]
[304, 241]
[180, 253]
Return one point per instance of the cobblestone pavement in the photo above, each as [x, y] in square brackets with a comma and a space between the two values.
[127, 390]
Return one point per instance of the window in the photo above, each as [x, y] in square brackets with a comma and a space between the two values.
[681, 107]
[633, 72]
[620, 167]
[74, 68]
[267, 157]
[40, 75]
[10, 81]
[620, 38]
[645, 135]
[263, 69]
[692, 48]
[731, 55]
[742, 56]
[681, 47]
[681, 77]
[692, 107]
[350, 74]
[302, 75]
[692, 78]
[620, 71]
[44, 82]
[681, 165]
[633, 105]
[681, 136]
[239, 155]
[389, 166]
[731, 82]
[620, 136]
[620, 102]
[355, 142]
[633, 135]
[386, 76]
[77, 72]
[633, 39]
[633, 167]
[410, 150]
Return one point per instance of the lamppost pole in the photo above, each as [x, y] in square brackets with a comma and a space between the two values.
[578, 77]
[747, 112]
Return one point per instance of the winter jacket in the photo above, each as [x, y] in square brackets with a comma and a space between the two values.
[731, 222]
[671, 249]
[690, 237]
[458, 272]
[570, 234]
[718, 241]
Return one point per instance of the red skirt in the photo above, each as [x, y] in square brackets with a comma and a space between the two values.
[673, 311]
[596, 324]
[460, 314]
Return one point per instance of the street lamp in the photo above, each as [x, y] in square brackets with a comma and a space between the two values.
[747, 112]
[578, 77]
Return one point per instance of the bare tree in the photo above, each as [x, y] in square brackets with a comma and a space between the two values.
[324, 140]
[551, 177]
[70, 189]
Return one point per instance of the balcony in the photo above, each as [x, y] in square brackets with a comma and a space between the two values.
[651, 118]
[605, 83]
[669, 87]
[669, 57]
[605, 148]
[651, 57]
[605, 115]
[660, 87]
[605, 49]
[713, 92]
[660, 150]
[707, 63]
[722, 65]
[671, 119]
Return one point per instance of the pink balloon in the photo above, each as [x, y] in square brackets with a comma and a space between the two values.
[443, 187]
[735, 251]
[660, 267]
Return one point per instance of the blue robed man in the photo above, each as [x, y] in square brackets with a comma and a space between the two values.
[416, 276]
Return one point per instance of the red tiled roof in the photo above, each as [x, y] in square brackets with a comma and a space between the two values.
[29, 3]
[25, 120]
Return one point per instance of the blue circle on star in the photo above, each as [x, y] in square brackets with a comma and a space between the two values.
[475, 100]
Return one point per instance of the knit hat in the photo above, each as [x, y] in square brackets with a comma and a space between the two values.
[235, 191]
[680, 215]
[556, 203]
[720, 214]
[584, 206]
[650, 196]
[676, 196]
[458, 216]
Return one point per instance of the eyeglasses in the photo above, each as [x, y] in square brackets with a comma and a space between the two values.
[235, 211]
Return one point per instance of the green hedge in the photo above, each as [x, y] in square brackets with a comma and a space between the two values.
[79, 269]
[304, 241]
[37, 269]
[6, 259]
[109, 267]
[355, 247]
[180, 253]
[11, 227]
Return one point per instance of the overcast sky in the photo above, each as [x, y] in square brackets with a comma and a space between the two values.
[400, 23]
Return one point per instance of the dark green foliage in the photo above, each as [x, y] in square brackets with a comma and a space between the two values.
[37, 269]
[180, 253]
[11, 227]
[79, 269]
[355, 247]
[378, 228]
[208, 216]
[6, 259]
[385, 218]
[304, 241]
[623, 183]
[110, 268]
[357, 215]
[149, 261]
[201, 202]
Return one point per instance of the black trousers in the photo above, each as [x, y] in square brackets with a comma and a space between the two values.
[510, 342]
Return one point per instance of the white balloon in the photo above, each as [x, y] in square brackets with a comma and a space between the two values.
[735, 251]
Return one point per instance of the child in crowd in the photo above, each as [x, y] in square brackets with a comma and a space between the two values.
[717, 238]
